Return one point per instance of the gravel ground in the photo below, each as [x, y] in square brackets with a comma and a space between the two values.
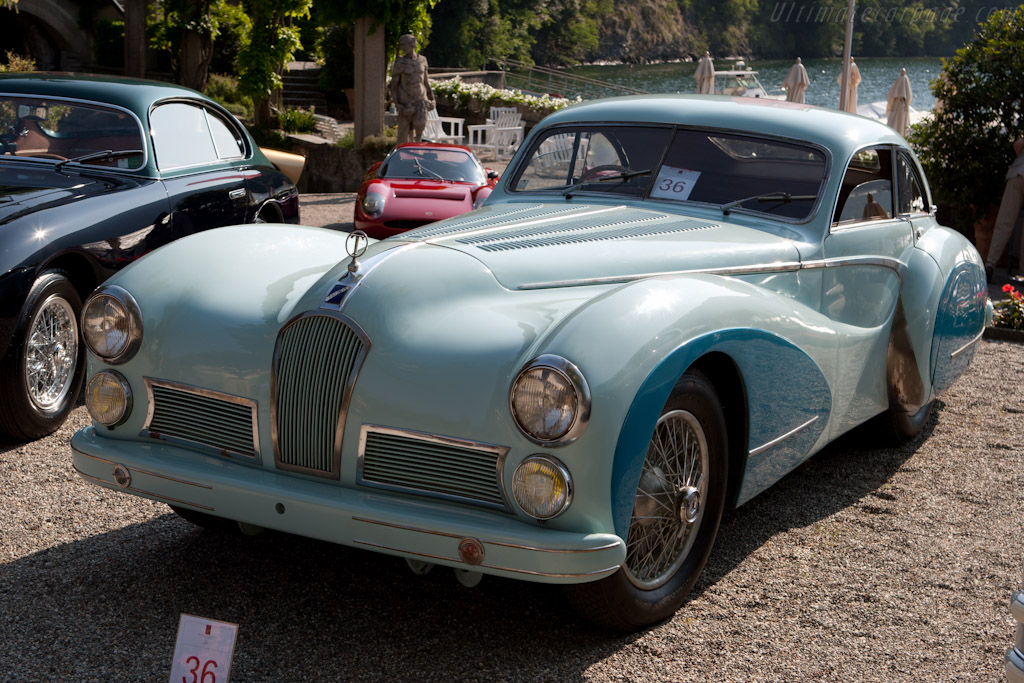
[864, 564]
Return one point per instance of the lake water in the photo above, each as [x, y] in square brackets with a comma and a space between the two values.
[877, 76]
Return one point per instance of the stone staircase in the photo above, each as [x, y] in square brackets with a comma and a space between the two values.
[301, 87]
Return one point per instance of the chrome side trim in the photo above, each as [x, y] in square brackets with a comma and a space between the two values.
[350, 383]
[499, 451]
[487, 566]
[205, 393]
[757, 269]
[776, 441]
[522, 224]
[158, 496]
[968, 344]
[446, 534]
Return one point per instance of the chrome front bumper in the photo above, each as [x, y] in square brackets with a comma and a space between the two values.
[414, 529]
[1015, 655]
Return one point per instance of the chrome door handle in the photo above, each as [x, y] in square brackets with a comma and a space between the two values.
[236, 194]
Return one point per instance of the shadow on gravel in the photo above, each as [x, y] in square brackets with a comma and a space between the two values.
[107, 607]
[839, 476]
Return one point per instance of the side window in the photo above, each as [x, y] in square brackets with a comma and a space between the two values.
[866, 193]
[912, 199]
[181, 136]
[229, 142]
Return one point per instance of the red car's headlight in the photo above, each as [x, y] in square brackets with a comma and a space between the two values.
[373, 204]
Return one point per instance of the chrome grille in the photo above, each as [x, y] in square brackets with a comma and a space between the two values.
[316, 361]
[201, 418]
[430, 465]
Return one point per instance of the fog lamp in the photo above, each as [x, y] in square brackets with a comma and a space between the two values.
[108, 398]
[542, 487]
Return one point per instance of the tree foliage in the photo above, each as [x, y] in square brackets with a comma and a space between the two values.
[272, 43]
[186, 31]
[966, 146]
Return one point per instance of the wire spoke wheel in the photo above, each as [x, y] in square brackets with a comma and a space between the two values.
[669, 501]
[51, 353]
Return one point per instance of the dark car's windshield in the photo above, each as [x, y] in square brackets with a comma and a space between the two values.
[63, 130]
[432, 163]
[734, 171]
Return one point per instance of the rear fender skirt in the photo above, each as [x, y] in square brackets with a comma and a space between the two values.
[788, 406]
[959, 324]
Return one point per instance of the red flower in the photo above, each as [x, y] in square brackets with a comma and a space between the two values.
[1007, 288]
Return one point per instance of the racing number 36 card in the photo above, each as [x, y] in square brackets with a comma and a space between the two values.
[675, 183]
[203, 651]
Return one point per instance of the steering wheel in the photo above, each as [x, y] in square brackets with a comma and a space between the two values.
[605, 170]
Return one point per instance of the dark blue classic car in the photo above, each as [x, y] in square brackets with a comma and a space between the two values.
[95, 172]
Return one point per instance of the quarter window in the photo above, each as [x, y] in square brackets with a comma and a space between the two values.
[188, 135]
[911, 190]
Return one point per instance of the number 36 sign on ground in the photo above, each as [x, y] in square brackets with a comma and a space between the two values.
[203, 651]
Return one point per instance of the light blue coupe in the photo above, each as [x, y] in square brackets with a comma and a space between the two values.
[667, 304]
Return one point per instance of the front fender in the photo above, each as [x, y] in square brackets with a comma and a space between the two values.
[661, 326]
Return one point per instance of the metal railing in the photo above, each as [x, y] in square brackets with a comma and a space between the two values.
[538, 80]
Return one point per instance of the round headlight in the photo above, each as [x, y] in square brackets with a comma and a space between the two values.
[108, 398]
[112, 324]
[373, 204]
[550, 401]
[542, 487]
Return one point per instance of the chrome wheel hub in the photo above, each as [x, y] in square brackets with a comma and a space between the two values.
[668, 507]
[51, 353]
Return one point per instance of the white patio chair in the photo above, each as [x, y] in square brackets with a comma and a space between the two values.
[434, 131]
[501, 137]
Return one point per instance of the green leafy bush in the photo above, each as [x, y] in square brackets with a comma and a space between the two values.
[224, 89]
[266, 137]
[966, 146]
[488, 95]
[297, 120]
[380, 145]
[348, 140]
[18, 63]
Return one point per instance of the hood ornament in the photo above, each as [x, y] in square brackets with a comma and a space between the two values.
[355, 246]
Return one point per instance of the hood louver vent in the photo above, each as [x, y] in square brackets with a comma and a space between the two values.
[567, 234]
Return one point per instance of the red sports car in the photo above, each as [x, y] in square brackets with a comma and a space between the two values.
[419, 183]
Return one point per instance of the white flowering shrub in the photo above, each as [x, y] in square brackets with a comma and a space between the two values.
[487, 95]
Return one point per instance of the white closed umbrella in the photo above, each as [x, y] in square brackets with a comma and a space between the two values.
[705, 75]
[851, 87]
[796, 82]
[897, 107]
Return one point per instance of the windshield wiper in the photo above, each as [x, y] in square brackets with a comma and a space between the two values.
[95, 156]
[566, 191]
[420, 170]
[783, 197]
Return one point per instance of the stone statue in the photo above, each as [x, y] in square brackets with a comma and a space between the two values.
[410, 90]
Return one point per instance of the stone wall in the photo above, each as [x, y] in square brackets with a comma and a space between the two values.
[330, 168]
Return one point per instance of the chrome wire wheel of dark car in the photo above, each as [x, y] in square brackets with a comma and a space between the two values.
[43, 365]
[676, 513]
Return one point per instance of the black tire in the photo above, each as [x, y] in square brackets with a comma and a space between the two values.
[901, 427]
[40, 375]
[637, 595]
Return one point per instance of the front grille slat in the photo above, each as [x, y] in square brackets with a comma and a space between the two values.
[316, 360]
[432, 466]
[200, 418]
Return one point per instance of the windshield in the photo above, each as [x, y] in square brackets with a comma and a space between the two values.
[734, 171]
[61, 130]
[432, 163]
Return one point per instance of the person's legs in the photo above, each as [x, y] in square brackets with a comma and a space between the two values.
[1009, 208]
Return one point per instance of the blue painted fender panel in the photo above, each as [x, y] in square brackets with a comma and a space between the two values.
[784, 388]
[960, 320]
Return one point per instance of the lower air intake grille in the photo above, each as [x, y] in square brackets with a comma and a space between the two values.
[201, 418]
[430, 465]
[315, 366]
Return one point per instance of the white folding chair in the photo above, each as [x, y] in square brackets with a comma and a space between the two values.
[434, 130]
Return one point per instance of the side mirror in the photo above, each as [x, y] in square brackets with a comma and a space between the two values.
[492, 175]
